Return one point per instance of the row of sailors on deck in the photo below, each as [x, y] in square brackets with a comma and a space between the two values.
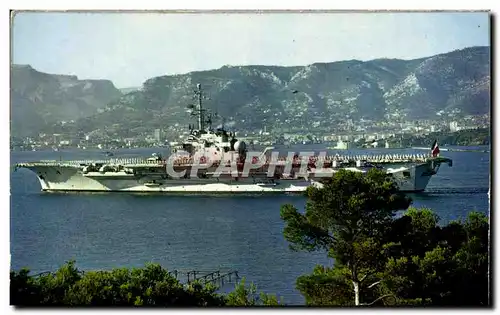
[296, 159]
[388, 157]
[338, 158]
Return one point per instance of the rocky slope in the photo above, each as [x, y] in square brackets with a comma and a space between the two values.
[318, 95]
[40, 99]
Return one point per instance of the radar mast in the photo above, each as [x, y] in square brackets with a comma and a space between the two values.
[198, 110]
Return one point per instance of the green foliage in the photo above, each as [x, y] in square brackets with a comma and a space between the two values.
[414, 233]
[449, 267]
[148, 286]
[247, 296]
[353, 206]
[347, 218]
[23, 289]
[327, 286]
[479, 136]
[380, 260]
[440, 265]
[151, 286]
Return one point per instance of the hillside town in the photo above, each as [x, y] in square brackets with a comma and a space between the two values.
[345, 135]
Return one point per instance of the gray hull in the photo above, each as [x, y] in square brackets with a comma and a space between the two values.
[410, 178]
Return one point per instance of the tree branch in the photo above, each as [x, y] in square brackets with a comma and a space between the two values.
[374, 284]
[369, 273]
[365, 276]
[380, 298]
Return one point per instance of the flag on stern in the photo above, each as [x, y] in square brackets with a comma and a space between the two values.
[435, 149]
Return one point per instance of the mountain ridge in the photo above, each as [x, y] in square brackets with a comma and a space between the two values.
[40, 99]
[325, 93]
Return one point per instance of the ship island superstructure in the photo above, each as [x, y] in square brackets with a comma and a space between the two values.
[215, 161]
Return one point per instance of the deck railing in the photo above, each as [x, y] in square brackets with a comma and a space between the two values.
[185, 161]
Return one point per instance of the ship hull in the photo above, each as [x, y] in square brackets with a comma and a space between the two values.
[70, 179]
[412, 178]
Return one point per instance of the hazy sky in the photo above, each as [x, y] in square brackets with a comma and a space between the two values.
[129, 48]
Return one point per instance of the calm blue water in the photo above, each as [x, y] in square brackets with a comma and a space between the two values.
[244, 233]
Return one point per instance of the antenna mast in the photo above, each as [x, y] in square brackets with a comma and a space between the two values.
[198, 110]
[201, 121]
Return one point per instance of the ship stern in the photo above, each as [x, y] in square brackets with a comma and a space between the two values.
[423, 173]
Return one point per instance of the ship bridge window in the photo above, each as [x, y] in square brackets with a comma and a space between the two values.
[406, 174]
